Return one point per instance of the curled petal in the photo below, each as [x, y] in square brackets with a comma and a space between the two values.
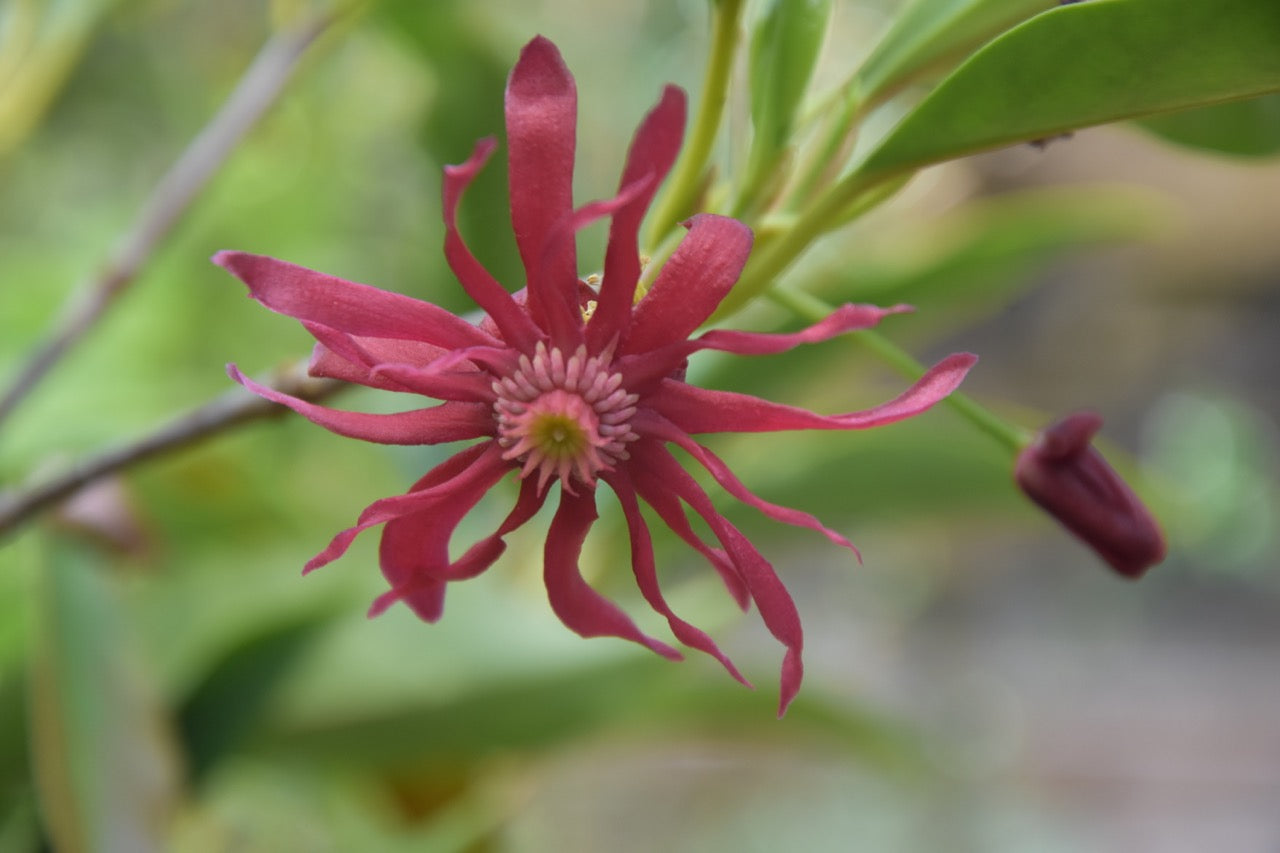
[356, 309]
[583, 610]
[649, 424]
[699, 410]
[541, 117]
[481, 464]
[356, 365]
[661, 472]
[463, 382]
[439, 424]
[642, 369]
[515, 326]
[561, 299]
[693, 281]
[671, 511]
[642, 563]
[653, 152]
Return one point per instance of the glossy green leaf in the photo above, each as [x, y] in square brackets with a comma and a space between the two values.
[932, 33]
[106, 774]
[784, 50]
[1248, 128]
[1088, 64]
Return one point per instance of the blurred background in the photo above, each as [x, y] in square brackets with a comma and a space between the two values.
[980, 682]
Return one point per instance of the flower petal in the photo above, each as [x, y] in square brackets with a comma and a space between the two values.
[562, 306]
[461, 382]
[642, 563]
[641, 369]
[693, 281]
[671, 511]
[514, 324]
[482, 462]
[414, 550]
[699, 410]
[541, 118]
[583, 610]
[648, 423]
[356, 309]
[663, 473]
[652, 154]
[345, 365]
[425, 589]
[436, 425]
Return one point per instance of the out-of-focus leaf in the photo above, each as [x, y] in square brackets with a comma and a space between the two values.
[933, 33]
[970, 261]
[1249, 128]
[784, 50]
[40, 43]
[467, 105]
[105, 769]
[534, 716]
[230, 700]
[1087, 64]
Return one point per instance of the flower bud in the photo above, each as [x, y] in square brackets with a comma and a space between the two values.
[1063, 473]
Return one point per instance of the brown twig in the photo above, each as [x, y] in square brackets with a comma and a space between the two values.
[233, 408]
[173, 195]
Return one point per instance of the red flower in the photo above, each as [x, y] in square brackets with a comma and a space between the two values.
[566, 383]
[1069, 479]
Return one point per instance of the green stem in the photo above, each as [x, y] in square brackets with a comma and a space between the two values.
[812, 309]
[687, 177]
[765, 266]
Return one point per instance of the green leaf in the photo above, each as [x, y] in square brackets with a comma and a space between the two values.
[106, 774]
[1088, 64]
[1241, 128]
[933, 33]
[230, 700]
[969, 262]
[784, 51]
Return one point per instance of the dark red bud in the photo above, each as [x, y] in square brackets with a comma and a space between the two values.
[1069, 479]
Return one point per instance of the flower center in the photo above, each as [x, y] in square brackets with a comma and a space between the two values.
[564, 417]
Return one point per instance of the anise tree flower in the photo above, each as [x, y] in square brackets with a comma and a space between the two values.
[564, 383]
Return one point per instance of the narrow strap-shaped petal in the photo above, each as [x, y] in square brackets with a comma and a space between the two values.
[672, 513]
[642, 563]
[541, 115]
[562, 300]
[471, 386]
[478, 558]
[513, 323]
[447, 422]
[651, 424]
[344, 365]
[583, 610]
[699, 410]
[484, 553]
[641, 369]
[464, 383]
[653, 151]
[482, 462]
[693, 281]
[414, 549]
[356, 309]
[777, 609]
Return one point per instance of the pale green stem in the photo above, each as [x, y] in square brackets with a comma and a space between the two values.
[812, 309]
[687, 177]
